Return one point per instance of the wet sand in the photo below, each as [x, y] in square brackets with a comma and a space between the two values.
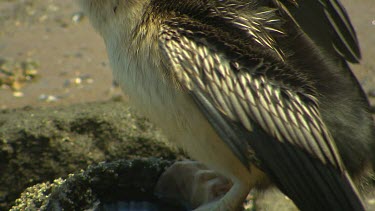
[44, 31]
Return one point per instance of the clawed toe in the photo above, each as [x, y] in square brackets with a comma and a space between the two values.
[193, 183]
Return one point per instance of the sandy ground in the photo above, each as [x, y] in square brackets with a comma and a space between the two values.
[69, 51]
[362, 14]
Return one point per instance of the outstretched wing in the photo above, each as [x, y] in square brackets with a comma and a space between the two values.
[248, 109]
[327, 23]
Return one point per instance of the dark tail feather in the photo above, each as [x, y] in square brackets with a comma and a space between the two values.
[311, 184]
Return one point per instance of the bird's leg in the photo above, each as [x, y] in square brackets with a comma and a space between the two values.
[193, 183]
[203, 189]
[208, 186]
[231, 200]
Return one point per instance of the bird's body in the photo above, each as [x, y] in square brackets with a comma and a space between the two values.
[241, 88]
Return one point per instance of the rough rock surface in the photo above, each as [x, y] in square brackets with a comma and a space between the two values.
[119, 184]
[39, 145]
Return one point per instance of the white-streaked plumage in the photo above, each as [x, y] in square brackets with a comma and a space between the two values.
[225, 81]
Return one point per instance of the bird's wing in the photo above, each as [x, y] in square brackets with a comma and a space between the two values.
[327, 23]
[247, 97]
[250, 110]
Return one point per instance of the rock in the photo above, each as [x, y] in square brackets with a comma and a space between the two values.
[41, 144]
[38, 145]
[117, 185]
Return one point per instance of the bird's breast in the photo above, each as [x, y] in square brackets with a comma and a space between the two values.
[154, 95]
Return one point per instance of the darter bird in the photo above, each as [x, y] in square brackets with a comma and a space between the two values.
[258, 90]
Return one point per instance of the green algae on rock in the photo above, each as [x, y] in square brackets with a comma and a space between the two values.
[106, 184]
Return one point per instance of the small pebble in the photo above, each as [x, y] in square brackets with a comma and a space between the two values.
[48, 98]
[77, 17]
[77, 80]
[371, 93]
[18, 94]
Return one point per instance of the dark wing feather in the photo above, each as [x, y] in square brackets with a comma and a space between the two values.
[327, 23]
[246, 98]
[283, 127]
